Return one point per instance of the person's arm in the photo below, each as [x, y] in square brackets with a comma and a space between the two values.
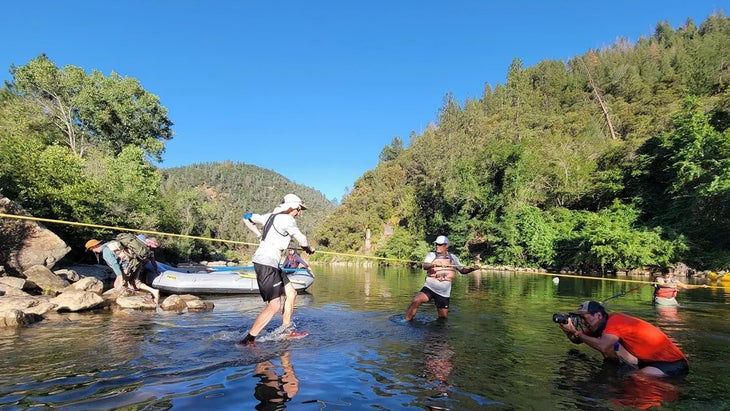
[428, 261]
[690, 286]
[460, 268]
[111, 260]
[301, 261]
[294, 231]
[249, 223]
[153, 261]
[605, 344]
[467, 270]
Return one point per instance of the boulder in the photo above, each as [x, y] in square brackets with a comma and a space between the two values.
[38, 305]
[68, 275]
[10, 290]
[40, 278]
[27, 243]
[91, 284]
[199, 305]
[173, 303]
[17, 318]
[102, 272]
[14, 282]
[75, 301]
[136, 302]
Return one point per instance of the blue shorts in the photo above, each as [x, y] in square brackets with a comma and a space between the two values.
[439, 300]
[271, 281]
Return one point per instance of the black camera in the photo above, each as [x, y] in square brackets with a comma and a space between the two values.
[566, 318]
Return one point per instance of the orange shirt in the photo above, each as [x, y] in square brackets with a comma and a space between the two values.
[645, 341]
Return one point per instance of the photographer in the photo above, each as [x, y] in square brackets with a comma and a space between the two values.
[622, 337]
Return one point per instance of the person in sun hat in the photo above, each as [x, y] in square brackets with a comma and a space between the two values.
[113, 255]
[278, 228]
[646, 346]
[441, 267]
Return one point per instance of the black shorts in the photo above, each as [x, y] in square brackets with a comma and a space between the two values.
[678, 368]
[271, 281]
[439, 300]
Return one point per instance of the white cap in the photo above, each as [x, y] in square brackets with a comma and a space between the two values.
[290, 201]
[442, 239]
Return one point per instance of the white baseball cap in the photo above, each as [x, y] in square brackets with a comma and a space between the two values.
[442, 239]
[291, 201]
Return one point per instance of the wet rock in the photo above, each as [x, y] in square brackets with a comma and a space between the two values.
[75, 301]
[17, 318]
[173, 303]
[27, 304]
[136, 302]
[199, 305]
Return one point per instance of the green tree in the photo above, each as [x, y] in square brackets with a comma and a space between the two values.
[93, 110]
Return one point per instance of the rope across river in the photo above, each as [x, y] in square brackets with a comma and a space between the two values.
[351, 255]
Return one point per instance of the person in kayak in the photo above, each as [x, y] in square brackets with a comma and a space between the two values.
[278, 228]
[293, 259]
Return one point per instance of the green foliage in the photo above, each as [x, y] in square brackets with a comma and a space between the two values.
[92, 110]
[402, 247]
[591, 163]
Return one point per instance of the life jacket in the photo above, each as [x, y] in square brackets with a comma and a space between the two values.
[290, 261]
[447, 272]
[666, 292]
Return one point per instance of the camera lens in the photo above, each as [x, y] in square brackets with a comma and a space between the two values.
[560, 318]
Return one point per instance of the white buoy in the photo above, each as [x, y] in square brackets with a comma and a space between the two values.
[556, 280]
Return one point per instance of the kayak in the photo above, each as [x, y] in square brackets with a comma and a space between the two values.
[240, 281]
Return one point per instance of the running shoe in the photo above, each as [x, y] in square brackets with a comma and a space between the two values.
[296, 334]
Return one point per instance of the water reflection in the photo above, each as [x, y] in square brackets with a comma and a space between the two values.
[592, 383]
[438, 362]
[273, 391]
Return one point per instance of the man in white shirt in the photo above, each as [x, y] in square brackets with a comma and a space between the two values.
[278, 228]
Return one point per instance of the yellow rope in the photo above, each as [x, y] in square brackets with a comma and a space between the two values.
[158, 233]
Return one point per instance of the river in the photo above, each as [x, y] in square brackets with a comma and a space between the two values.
[499, 349]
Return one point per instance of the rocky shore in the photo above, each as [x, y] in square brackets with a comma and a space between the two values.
[33, 287]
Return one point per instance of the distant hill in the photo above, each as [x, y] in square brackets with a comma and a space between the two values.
[229, 190]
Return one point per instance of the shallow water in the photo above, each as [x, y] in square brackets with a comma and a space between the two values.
[499, 349]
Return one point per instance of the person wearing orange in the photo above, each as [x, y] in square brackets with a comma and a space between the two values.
[628, 339]
[441, 267]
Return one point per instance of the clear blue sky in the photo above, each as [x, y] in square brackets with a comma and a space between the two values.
[315, 89]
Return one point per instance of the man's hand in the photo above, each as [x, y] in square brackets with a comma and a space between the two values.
[308, 249]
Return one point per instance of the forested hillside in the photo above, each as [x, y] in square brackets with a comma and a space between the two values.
[615, 159]
[213, 197]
